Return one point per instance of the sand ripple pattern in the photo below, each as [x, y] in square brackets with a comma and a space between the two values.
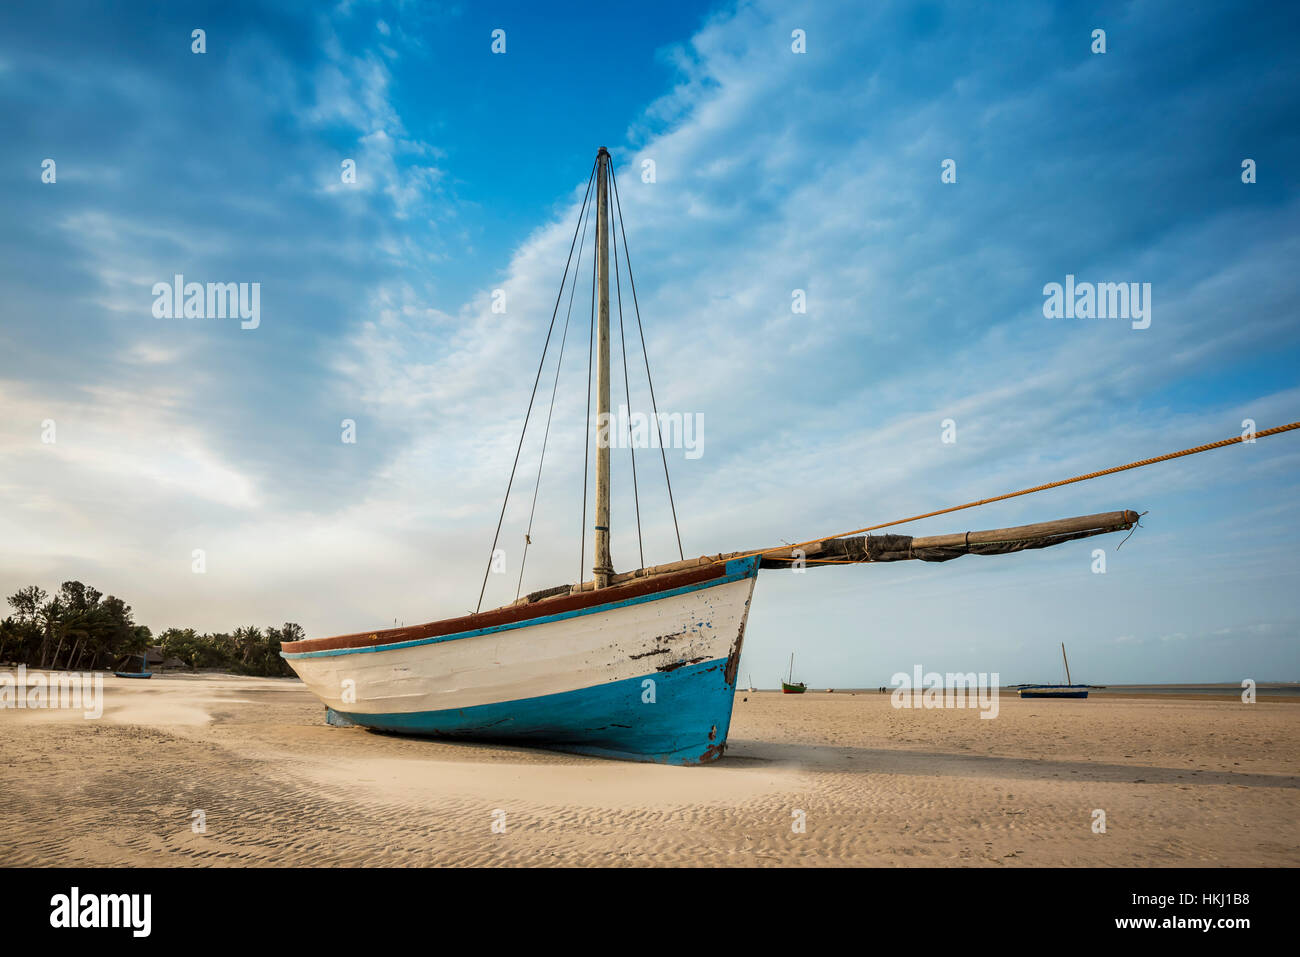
[1181, 782]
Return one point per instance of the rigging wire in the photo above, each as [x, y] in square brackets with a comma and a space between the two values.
[627, 392]
[1277, 430]
[653, 405]
[538, 378]
[583, 223]
[584, 217]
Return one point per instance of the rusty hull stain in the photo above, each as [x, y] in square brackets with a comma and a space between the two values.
[712, 753]
[733, 658]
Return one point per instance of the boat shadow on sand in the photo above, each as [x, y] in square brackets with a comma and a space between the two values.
[842, 759]
[748, 754]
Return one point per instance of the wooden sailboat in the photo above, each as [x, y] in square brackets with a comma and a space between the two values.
[1067, 690]
[144, 671]
[640, 665]
[790, 686]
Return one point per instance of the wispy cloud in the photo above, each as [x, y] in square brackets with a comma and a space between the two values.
[774, 172]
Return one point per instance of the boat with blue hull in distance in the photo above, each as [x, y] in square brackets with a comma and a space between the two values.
[1055, 691]
[639, 665]
[142, 673]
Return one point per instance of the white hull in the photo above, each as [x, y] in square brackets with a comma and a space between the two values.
[579, 679]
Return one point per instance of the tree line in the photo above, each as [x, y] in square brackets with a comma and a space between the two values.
[81, 629]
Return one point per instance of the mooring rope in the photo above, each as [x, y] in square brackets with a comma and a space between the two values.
[1277, 430]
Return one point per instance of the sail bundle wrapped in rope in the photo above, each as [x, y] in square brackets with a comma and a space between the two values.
[943, 548]
[855, 550]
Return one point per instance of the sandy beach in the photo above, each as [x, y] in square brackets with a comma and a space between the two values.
[1181, 782]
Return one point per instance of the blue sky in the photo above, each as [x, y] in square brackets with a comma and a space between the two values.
[776, 171]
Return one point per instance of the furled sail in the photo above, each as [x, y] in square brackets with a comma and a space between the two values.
[861, 549]
[943, 548]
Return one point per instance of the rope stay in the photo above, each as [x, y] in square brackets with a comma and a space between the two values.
[654, 408]
[570, 278]
[617, 228]
[1276, 430]
[536, 379]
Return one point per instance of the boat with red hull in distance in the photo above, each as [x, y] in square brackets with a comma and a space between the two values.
[789, 685]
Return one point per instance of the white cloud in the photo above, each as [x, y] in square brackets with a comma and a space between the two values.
[775, 172]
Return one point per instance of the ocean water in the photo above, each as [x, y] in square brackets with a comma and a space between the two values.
[1266, 690]
[1270, 690]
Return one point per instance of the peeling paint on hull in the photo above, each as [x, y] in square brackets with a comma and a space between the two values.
[577, 683]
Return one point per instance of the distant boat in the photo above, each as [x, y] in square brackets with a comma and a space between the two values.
[1066, 690]
[751, 683]
[791, 687]
[135, 674]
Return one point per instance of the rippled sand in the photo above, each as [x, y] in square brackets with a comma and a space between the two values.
[1180, 781]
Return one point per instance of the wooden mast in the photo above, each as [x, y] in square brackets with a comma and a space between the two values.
[1067, 664]
[604, 566]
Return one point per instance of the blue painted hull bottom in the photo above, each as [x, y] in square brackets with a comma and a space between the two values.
[1053, 694]
[683, 718]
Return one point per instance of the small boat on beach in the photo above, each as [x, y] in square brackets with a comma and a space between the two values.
[136, 674]
[791, 686]
[1066, 690]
